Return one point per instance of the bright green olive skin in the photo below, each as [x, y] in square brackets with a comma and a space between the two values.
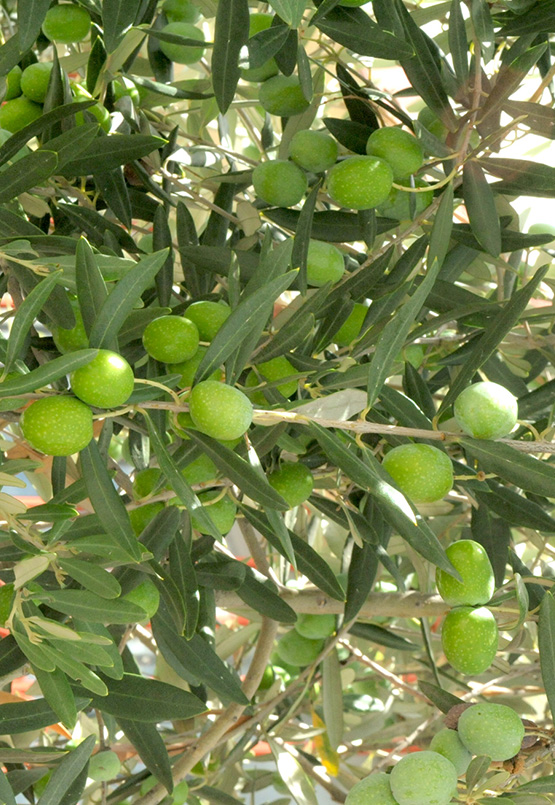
[107, 381]
[470, 638]
[16, 114]
[282, 95]
[146, 481]
[58, 425]
[324, 263]
[104, 766]
[293, 481]
[142, 516]
[315, 627]
[183, 54]
[373, 790]
[491, 729]
[297, 650]
[271, 370]
[474, 567]
[222, 512]
[188, 369]
[486, 410]
[351, 327]
[399, 148]
[422, 472]
[66, 23]
[279, 182]
[423, 778]
[171, 339]
[208, 316]
[219, 410]
[314, 151]
[448, 744]
[360, 182]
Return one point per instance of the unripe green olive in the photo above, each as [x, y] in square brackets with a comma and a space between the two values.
[486, 410]
[423, 778]
[448, 744]
[470, 638]
[491, 729]
[372, 790]
[474, 567]
[422, 472]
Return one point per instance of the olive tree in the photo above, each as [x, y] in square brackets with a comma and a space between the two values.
[278, 371]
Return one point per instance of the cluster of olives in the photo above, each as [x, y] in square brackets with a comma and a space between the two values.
[469, 633]
[26, 90]
[424, 473]
[430, 777]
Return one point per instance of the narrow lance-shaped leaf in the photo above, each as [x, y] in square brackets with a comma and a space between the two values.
[25, 317]
[442, 227]
[290, 11]
[236, 328]
[480, 206]
[458, 43]
[91, 288]
[67, 773]
[546, 643]
[151, 748]
[353, 28]
[120, 303]
[230, 35]
[178, 482]
[117, 16]
[30, 16]
[57, 692]
[108, 505]
[6, 793]
[518, 468]
[88, 606]
[395, 333]
[301, 240]
[27, 172]
[47, 373]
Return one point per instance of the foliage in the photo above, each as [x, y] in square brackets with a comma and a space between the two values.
[126, 196]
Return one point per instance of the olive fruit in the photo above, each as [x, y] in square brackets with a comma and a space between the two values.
[470, 559]
[491, 729]
[470, 638]
[422, 472]
[448, 744]
[486, 410]
[423, 778]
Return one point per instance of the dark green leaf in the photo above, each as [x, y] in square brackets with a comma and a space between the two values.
[71, 142]
[441, 228]
[546, 644]
[381, 636]
[24, 319]
[117, 17]
[91, 288]
[115, 671]
[120, 302]
[36, 714]
[183, 573]
[541, 785]
[178, 482]
[27, 172]
[350, 133]
[111, 151]
[231, 32]
[147, 700]
[539, 119]
[113, 187]
[290, 11]
[196, 658]
[329, 225]
[363, 567]
[151, 748]
[483, 27]
[243, 319]
[353, 28]
[520, 469]
[67, 773]
[541, 17]
[107, 504]
[162, 239]
[395, 332]
[90, 607]
[310, 562]
[57, 691]
[47, 373]
[6, 793]
[92, 577]
[480, 206]
[442, 699]
[30, 16]
[458, 44]
[259, 593]
[301, 241]
[516, 509]
[240, 472]
[265, 44]
[521, 176]
[168, 89]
